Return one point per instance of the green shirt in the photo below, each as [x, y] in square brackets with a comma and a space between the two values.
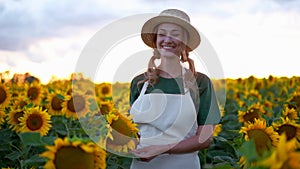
[206, 104]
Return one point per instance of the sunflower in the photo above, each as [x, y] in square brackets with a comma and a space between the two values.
[294, 101]
[70, 154]
[122, 132]
[290, 113]
[253, 112]
[2, 116]
[217, 130]
[13, 119]
[253, 94]
[243, 163]
[290, 127]
[104, 91]
[268, 104]
[35, 120]
[16, 89]
[222, 110]
[55, 101]
[106, 106]
[4, 96]
[76, 106]
[264, 137]
[84, 85]
[122, 104]
[284, 156]
[21, 102]
[34, 91]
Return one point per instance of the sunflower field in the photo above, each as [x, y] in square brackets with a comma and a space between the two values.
[76, 123]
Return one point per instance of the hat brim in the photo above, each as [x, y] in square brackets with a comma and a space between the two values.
[148, 31]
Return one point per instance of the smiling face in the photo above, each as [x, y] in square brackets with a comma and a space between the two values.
[170, 39]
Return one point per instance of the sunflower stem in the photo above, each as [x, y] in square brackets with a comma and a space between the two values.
[205, 155]
[17, 148]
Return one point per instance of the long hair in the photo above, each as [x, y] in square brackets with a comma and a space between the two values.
[153, 72]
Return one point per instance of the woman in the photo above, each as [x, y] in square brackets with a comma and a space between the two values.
[172, 103]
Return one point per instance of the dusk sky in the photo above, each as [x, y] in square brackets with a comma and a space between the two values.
[250, 37]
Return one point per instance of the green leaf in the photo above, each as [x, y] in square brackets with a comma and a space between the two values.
[14, 155]
[28, 106]
[49, 140]
[5, 139]
[31, 139]
[222, 166]
[58, 125]
[60, 96]
[50, 90]
[33, 160]
[249, 151]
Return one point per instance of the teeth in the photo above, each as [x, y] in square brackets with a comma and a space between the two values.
[167, 47]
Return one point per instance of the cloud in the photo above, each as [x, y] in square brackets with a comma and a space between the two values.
[257, 43]
[25, 22]
[46, 32]
[289, 4]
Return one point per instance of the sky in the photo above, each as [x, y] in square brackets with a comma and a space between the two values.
[249, 37]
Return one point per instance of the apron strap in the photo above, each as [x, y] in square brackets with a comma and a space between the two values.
[184, 85]
[144, 88]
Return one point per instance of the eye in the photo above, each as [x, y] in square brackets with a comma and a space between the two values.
[161, 35]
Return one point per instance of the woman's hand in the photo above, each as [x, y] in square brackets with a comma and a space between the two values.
[148, 153]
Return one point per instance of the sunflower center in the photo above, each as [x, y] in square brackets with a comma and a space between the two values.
[289, 130]
[119, 139]
[56, 103]
[104, 109]
[105, 90]
[122, 132]
[121, 125]
[262, 140]
[69, 157]
[34, 122]
[17, 116]
[76, 104]
[33, 93]
[296, 101]
[2, 95]
[251, 115]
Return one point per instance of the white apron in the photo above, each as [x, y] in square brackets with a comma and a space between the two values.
[165, 119]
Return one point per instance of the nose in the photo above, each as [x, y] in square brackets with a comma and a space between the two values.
[168, 39]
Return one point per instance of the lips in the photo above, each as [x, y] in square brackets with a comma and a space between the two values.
[168, 46]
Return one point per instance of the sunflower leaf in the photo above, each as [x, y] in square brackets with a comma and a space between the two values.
[13, 155]
[249, 151]
[28, 106]
[33, 160]
[221, 166]
[31, 138]
[60, 96]
[50, 90]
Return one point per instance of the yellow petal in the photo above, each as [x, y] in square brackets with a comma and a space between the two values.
[48, 155]
[86, 148]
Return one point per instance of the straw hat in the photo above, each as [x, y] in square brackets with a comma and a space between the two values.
[170, 16]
